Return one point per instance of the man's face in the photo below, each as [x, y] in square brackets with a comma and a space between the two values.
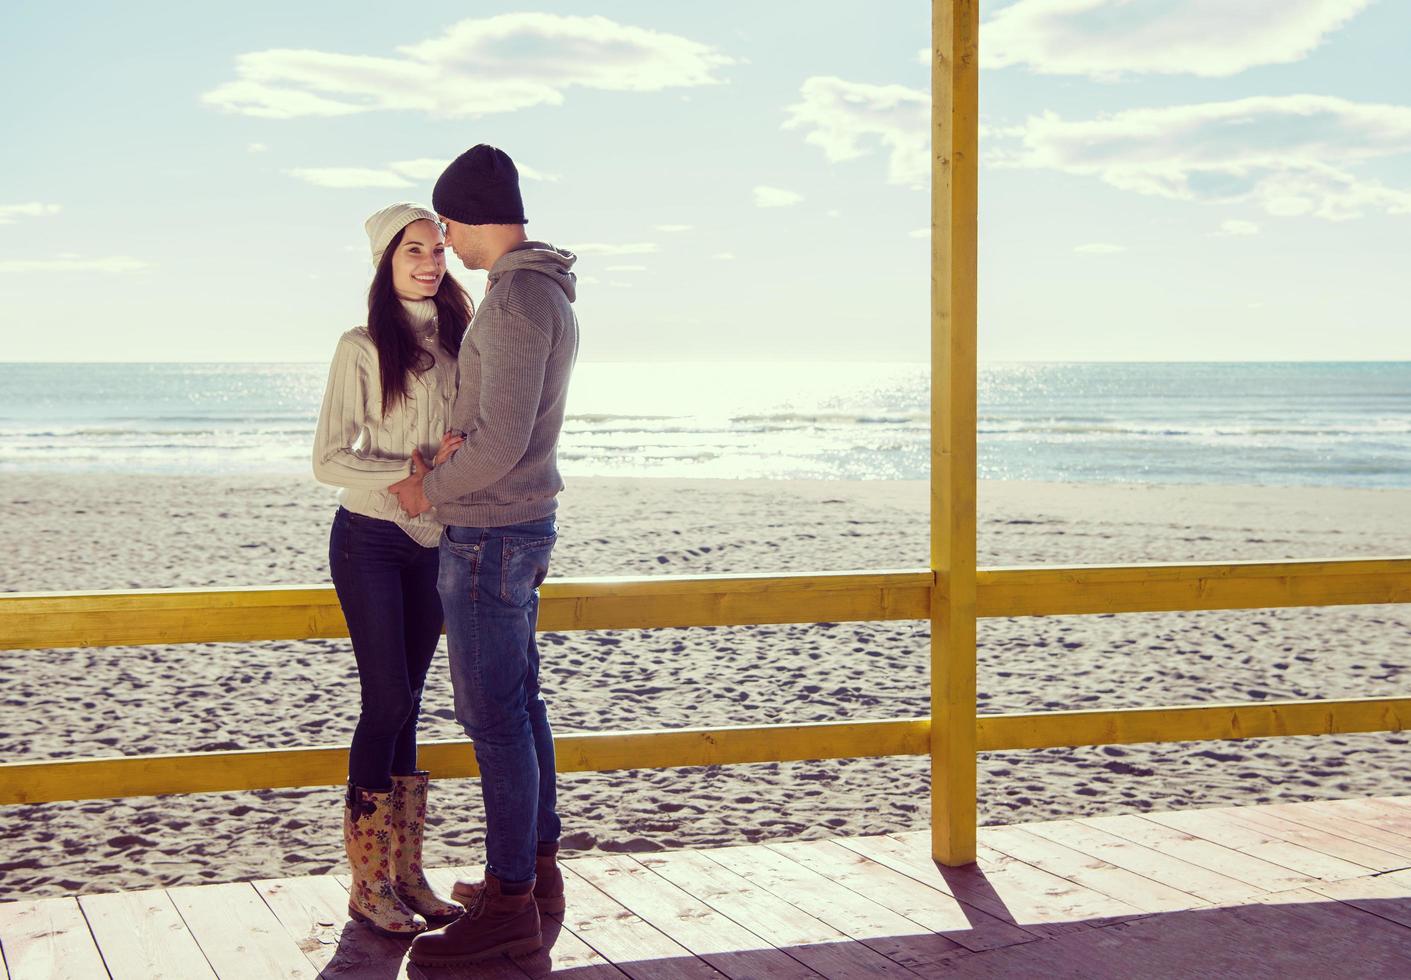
[467, 242]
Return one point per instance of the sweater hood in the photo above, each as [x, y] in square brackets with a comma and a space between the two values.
[556, 263]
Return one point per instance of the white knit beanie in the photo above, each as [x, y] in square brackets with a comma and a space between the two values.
[383, 226]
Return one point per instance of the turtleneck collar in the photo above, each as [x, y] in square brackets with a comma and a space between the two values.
[421, 313]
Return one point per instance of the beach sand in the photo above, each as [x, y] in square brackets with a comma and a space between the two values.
[105, 532]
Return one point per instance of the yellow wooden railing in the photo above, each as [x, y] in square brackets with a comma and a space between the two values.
[97, 619]
[952, 593]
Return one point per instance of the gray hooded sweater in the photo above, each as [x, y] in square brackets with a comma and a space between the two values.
[515, 363]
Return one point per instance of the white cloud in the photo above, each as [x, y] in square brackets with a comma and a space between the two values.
[599, 248]
[476, 67]
[69, 262]
[529, 173]
[626, 268]
[399, 173]
[34, 209]
[422, 168]
[1108, 38]
[346, 177]
[1100, 248]
[842, 118]
[724, 256]
[1238, 227]
[257, 148]
[775, 197]
[675, 228]
[1290, 155]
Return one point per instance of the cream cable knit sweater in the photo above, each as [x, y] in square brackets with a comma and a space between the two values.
[362, 452]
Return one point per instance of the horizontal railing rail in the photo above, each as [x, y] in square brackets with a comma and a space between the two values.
[98, 619]
[44, 781]
[49, 620]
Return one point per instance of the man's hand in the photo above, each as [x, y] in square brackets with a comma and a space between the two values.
[410, 493]
[450, 442]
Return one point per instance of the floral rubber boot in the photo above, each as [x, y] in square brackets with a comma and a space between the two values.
[367, 836]
[408, 832]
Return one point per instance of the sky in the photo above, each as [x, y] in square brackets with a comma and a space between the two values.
[1160, 179]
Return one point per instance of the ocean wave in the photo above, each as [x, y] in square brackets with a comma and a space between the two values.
[1219, 431]
[603, 418]
[830, 418]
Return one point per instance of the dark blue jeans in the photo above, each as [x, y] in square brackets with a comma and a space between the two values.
[386, 584]
[489, 585]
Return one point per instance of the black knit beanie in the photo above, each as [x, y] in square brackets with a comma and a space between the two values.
[480, 187]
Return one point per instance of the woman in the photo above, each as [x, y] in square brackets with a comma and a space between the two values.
[389, 392]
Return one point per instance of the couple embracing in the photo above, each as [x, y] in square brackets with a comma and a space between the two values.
[441, 431]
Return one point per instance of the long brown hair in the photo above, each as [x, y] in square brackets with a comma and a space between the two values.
[398, 353]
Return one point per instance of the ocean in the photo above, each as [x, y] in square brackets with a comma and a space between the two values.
[1324, 424]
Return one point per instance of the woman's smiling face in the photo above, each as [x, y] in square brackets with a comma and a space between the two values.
[419, 263]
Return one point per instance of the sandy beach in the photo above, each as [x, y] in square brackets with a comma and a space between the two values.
[107, 532]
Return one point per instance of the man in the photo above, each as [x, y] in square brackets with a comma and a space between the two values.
[496, 494]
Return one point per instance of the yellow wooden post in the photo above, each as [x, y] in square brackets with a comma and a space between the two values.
[954, 186]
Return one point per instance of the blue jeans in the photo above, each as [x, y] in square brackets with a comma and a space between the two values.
[489, 585]
[386, 584]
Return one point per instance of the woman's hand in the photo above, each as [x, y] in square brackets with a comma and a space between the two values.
[450, 442]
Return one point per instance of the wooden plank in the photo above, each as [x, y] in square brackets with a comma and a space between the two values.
[1289, 934]
[930, 907]
[1199, 851]
[1381, 896]
[1144, 894]
[44, 620]
[622, 937]
[1014, 892]
[314, 912]
[563, 951]
[968, 885]
[726, 945]
[206, 772]
[1047, 897]
[1209, 886]
[1319, 817]
[47, 620]
[815, 944]
[1393, 815]
[734, 600]
[955, 168]
[1377, 945]
[1219, 827]
[860, 919]
[203, 772]
[1086, 590]
[238, 933]
[48, 939]
[141, 936]
[1362, 813]
[1191, 723]
[1347, 849]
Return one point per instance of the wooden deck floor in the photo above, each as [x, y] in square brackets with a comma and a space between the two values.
[1295, 890]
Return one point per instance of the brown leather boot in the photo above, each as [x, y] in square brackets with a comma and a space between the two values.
[495, 924]
[408, 830]
[548, 880]
[367, 837]
[548, 883]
